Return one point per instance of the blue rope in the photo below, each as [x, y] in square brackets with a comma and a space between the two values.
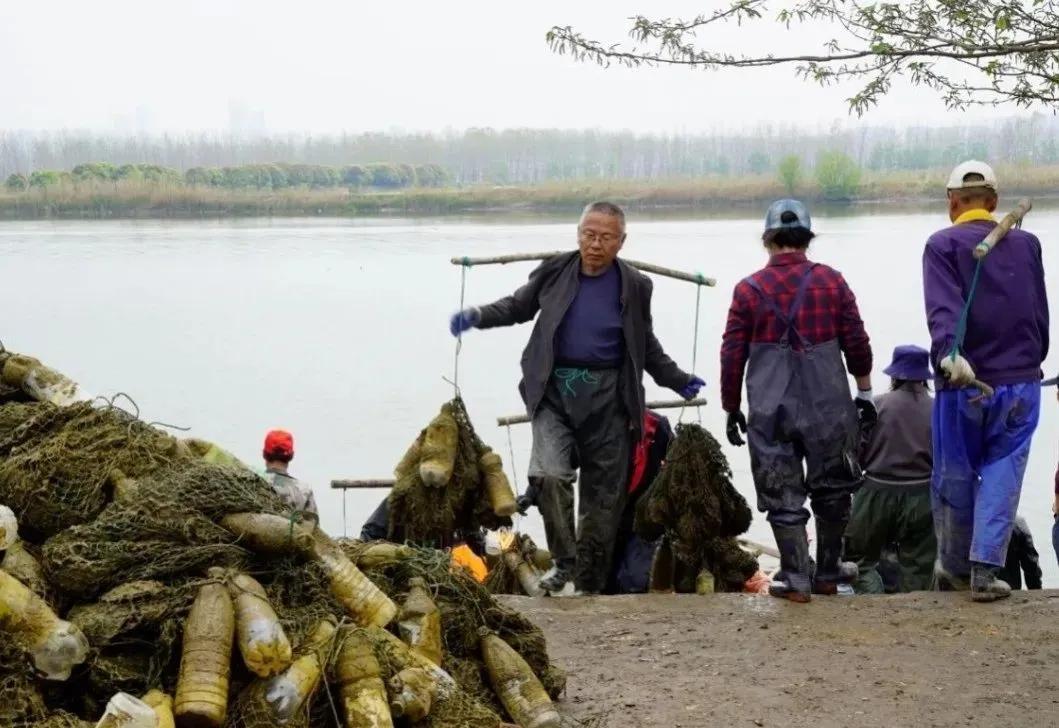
[569, 376]
[961, 326]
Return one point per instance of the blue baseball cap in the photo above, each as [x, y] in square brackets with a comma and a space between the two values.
[796, 213]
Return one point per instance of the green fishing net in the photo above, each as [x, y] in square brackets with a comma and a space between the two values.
[692, 501]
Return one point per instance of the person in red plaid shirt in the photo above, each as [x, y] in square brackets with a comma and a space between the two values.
[788, 327]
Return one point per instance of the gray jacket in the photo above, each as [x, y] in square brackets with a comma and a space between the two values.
[296, 494]
[900, 448]
[550, 290]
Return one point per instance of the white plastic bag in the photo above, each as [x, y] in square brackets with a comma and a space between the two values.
[125, 711]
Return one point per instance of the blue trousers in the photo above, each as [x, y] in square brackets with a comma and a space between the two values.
[981, 446]
[1055, 537]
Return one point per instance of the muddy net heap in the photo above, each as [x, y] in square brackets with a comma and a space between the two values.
[128, 527]
[693, 503]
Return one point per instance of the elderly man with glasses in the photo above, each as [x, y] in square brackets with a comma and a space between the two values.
[582, 375]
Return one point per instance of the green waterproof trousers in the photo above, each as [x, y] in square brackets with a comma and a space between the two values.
[885, 514]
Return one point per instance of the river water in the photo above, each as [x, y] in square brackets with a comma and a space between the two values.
[337, 329]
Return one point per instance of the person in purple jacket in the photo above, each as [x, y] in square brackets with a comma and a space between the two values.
[981, 444]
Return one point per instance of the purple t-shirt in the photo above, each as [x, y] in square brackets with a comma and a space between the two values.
[591, 331]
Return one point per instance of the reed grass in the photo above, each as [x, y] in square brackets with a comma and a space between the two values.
[137, 198]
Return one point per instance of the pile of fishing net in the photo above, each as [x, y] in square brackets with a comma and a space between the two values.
[449, 484]
[149, 578]
[694, 506]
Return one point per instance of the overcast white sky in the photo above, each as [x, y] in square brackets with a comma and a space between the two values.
[329, 65]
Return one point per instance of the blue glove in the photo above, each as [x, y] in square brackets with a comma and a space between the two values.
[691, 389]
[468, 318]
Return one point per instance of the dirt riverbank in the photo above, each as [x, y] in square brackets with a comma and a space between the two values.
[925, 659]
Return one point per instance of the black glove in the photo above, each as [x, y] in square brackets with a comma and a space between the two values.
[523, 503]
[736, 425]
[867, 415]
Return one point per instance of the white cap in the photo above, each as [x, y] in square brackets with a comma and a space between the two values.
[972, 166]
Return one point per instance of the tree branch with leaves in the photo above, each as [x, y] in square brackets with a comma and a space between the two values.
[989, 52]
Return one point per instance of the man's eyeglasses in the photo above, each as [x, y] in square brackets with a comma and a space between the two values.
[589, 236]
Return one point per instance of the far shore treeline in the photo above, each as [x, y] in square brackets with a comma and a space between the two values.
[276, 176]
[73, 174]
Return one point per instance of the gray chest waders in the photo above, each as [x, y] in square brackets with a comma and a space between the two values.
[802, 435]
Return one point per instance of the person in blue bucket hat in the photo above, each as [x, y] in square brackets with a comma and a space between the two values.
[893, 506]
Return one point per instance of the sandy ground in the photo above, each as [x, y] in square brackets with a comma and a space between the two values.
[926, 659]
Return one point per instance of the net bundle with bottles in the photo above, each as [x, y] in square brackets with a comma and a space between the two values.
[695, 509]
[151, 581]
[449, 483]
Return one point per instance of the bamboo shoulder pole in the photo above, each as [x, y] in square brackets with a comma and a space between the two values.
[1010, 220]
[759, 547]
[680, 275]
[359, 484]
[667, 404]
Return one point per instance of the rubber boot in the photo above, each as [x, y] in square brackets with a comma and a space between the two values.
[985, 586]
[793, 581]
[945, 581]
[833, 575]
[557, 577]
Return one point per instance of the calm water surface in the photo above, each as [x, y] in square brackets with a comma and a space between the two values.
[337, 329]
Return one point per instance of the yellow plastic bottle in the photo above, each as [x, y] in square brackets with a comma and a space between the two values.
[410, 459]
[515, 684]
[162, 705]
[54, 645]
[704, 582]
[202, 686]
[401, 656]
[288, 692]
[267, 533]
[527, 576]
[412, 694]
[21, 564]
[381, 554]
[360, 685]
[497, 486]
[364, 601]
[40, 382]
[262, 641]
[420, 621]
[437, 455]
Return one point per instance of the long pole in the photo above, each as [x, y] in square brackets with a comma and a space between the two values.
[696, 278]
[1012, 219]
[667, 404]
[362, 484]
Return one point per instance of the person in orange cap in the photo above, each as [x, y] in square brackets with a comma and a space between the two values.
[278, 452]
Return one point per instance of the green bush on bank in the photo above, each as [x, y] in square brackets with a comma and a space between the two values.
[838, 175]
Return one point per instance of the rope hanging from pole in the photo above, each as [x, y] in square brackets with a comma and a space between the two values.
[459, 334]
[514, 472]
[695, 343]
